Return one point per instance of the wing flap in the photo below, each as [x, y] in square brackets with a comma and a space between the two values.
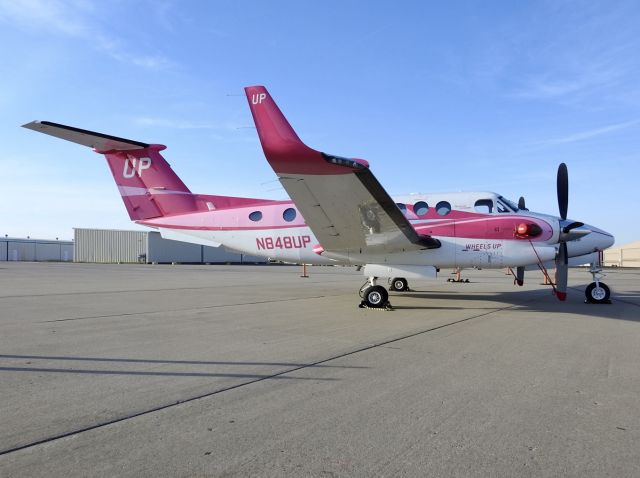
[345, 214]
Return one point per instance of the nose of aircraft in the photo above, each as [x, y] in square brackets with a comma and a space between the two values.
[597, 239]
[601, 239]
[586, 239]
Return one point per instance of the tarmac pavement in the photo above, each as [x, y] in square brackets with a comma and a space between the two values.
[140, 370]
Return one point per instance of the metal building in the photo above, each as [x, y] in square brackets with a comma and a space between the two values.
[627, 255]
[18, 249]
[111, 246]
[108, 245]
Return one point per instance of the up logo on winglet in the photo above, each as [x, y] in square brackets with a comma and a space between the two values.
[258, 98]
[133, 164]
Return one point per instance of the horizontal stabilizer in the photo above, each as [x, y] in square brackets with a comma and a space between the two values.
[97, 141]
[175, 235]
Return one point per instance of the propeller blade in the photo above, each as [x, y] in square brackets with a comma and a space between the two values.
[520, 275]
[563, 190]
[521, 203]
[573, 235]
[562, 271]
[573, 225]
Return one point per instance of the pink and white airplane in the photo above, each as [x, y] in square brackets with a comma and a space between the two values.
[341, 214]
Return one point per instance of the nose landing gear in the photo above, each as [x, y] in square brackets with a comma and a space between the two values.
[597, 292]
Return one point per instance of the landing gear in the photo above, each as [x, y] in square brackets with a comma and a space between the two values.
[374, 296]
[597, 292]
[399, 284]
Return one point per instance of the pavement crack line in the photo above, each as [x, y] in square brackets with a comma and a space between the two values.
[176, 403]
[190, 309]
[133, 291]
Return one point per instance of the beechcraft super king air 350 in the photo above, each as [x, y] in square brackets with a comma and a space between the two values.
[341, 214]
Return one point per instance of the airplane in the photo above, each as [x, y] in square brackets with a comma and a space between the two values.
[339, 213]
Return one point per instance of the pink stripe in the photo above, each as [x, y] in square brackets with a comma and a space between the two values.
[215, 228]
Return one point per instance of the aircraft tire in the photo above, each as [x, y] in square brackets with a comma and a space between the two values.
[399, 284]
[597, 294]
[376, 296]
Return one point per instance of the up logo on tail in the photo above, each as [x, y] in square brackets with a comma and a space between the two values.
[258, 98]
[131, 164]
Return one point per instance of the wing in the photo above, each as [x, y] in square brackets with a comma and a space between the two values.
[341, 200]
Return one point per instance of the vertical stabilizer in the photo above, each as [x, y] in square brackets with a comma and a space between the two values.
[147, 184]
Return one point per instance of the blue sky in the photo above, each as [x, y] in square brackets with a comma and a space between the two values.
[437, 96]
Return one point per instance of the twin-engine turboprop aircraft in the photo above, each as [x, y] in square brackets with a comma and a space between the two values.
[341, 214]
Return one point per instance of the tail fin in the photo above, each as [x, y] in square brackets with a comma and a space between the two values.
[147, 184]
[283, 149]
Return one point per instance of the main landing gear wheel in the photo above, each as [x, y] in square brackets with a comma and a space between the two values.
[375, 296]
[597, 293]
[399, 284]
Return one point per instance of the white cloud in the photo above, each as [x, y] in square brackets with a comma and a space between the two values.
[227, 132]
[592, 133]
[74, 18]
[172, 123]
[48, 15]
[559, 84]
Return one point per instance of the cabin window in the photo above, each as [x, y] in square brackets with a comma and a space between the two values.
[443, 208]
[420, 208]
[484, 206]
[402, 207]
[255, 216]
[289, 214]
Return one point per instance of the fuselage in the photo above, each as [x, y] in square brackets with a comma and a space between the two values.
[475, 229]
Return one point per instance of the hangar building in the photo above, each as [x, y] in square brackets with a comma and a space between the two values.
[21, 249]
[627, 255]
[111, 246]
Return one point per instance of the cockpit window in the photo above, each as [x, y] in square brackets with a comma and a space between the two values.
[484, 206]
[510, 204]
[501, 207]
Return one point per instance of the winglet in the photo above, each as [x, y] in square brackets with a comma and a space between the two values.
[283, 148]
[273, 128]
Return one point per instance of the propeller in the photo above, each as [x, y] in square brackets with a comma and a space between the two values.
[562, 259]
[563, 190]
